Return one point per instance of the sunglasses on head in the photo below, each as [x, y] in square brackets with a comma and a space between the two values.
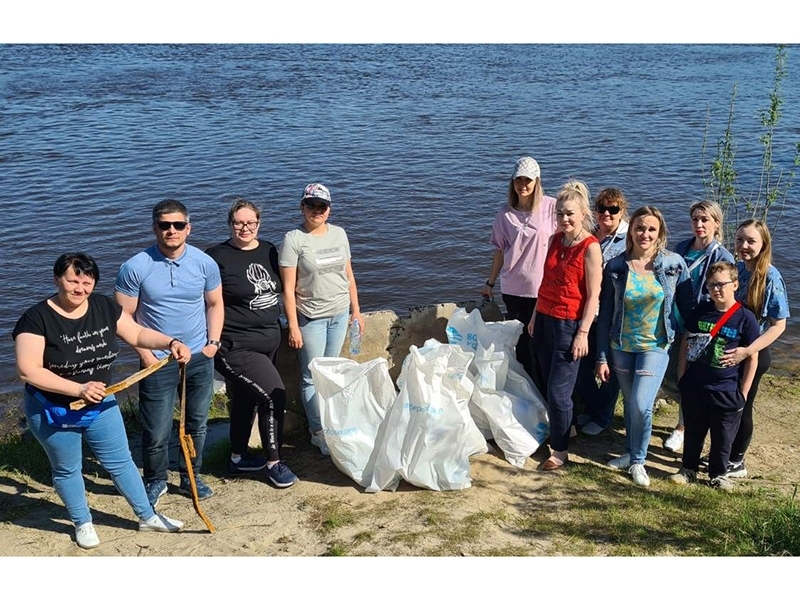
[612, 210]
[165, 225]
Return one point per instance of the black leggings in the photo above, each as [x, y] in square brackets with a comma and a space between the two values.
[521, 309]
[745, 435]
[254, 384]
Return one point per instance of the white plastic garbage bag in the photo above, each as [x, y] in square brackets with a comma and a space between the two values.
[505, 400]
[458, 383]
[468, 329]
[353, 401]
[424, 440]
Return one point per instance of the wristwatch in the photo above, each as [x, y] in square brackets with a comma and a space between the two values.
[216, 343]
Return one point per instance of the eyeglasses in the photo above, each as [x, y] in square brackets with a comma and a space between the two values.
[316, 206]
[165, 225]
[717, 286]
[612, 210]
[251, 225]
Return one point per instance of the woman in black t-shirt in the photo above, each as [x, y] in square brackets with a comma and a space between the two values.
[251, 286]
[64, 348]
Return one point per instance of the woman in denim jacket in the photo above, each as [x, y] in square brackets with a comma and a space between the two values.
[700, 251]
[637, 324]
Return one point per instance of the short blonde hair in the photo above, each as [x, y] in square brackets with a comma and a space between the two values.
[713, 210]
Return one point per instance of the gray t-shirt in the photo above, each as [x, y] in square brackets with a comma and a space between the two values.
[322, 288]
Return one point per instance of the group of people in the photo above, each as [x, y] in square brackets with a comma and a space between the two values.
[604, 302]
[607, 305]
[217, 309]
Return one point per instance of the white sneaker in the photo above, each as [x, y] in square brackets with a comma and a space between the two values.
[639, 475]
[622, 463]
[318, 440]
[86, 536]
[675, 441]
[160, 523]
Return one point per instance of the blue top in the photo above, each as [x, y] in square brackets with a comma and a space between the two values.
[712, 253]
[614, 244]
[171, 293]
[776, 302]
[673, 275]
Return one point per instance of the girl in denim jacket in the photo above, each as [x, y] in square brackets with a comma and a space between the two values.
[636, 326]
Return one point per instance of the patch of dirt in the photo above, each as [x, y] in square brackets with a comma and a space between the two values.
[326, 513]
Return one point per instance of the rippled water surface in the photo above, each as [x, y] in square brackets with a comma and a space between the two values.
[416, 143]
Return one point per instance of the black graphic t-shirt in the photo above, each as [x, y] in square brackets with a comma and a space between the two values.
[741, 329]
[251, 288]
[81, 349]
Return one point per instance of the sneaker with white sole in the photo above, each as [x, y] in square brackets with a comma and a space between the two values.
[736, 470]
[684, 476]
[86, 536]
[592, 428]
[675, 441]
[160, 523]
[318, 440]
[281, 476]
[622, 463]
[154, 490]
[639, 475]
[722, 483]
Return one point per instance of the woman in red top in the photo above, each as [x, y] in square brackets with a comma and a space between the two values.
[567, 305]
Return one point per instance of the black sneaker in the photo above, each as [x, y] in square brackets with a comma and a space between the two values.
[248, 463]
[203, 491]
[281, 476]
[736, 470]
[703, 464]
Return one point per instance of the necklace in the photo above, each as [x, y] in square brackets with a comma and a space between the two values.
[571, 244]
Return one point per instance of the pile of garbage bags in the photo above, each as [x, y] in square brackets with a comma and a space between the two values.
[452, 398]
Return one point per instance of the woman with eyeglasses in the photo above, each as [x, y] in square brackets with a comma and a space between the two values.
[520, 234]
[763, 291]
[611, 213]
[65, 346]
[700, 251]
[251, 336]
[319, 294]
[636, 326]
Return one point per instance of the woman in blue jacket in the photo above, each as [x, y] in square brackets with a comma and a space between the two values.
[700, 251]
[636, 326]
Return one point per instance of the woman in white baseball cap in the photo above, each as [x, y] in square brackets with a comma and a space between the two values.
[520, 234]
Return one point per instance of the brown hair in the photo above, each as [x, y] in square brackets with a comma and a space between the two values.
[648, 211]
[758, 280]
[239, 204]
[613, 197]
[723, 266]
[538, 193]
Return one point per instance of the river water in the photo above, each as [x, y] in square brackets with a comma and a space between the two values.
[415, 142]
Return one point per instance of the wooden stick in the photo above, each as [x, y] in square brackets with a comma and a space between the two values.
[125, 383]
[189, 452]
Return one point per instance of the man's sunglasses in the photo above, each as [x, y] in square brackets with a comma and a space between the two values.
[165, 225]
[612, 210]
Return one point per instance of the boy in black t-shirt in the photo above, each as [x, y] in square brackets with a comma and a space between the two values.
[713, 396]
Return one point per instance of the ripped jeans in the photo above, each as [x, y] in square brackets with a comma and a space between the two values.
[639, 375]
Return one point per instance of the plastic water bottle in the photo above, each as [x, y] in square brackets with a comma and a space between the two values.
[355, 337]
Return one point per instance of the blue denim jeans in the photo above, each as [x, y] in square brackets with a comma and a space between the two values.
[321, 337]
[598, 402]
[639, 375]
[107, 439]
[158, 394]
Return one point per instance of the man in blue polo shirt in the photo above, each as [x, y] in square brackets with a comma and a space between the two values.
[174, 288]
